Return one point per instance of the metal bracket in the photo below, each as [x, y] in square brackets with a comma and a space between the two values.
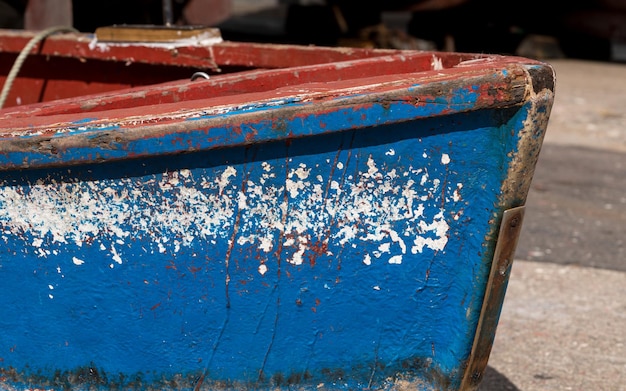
[506, 244]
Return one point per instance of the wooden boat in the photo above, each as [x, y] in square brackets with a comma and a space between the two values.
[306, 218]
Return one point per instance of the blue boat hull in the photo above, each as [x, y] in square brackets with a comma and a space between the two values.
[343, 248]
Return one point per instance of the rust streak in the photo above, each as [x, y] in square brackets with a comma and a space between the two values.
[341, 185]
[231, 245]
[233, 237]
[199, 382]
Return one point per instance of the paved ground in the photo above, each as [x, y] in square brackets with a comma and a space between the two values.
[563, 325]
[561, 328]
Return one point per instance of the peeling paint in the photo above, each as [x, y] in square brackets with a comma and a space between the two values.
[51, 215]
[274, 247]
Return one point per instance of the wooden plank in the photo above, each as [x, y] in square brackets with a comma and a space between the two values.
[151, 33]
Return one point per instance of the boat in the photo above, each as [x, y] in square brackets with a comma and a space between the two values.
[190, 213]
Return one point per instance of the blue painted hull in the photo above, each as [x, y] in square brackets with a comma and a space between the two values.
[313, 247]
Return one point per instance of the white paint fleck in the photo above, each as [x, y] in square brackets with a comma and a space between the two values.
[115, 255]
[266, 244]
[396, 260]
[436, 63]
[242, 240]
[439, 227]
[297, 259]
[376, 288]
[241, 201]
[50, 287]
[445, 159]
[301, 172]
[436, 183]
[347, 234]
[262, 269]
[367, 259]
[395, 237]
[294, 187]
[390, 152]
[384, 248]
[77, 261]
[456, 195]
[224, 179]
[372, 169]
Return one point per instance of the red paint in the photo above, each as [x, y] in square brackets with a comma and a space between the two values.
[148, 76]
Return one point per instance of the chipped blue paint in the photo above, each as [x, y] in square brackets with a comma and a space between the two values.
[157, 267]
[304, 247]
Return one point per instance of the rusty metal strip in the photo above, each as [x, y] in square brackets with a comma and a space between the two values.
[508, 237]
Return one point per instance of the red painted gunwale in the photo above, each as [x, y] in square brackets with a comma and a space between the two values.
[77, 66]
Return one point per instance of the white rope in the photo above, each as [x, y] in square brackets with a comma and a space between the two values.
[17, 65]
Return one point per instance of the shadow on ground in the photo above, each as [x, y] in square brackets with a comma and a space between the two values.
[576, 209]
[495, 381]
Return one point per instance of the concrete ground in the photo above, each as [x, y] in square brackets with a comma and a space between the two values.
[562, 328]
[563, 324]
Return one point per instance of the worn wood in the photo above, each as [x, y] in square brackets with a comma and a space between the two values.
[150, 33]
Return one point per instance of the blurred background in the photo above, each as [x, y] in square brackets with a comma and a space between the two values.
[563, 324]
[590, 29]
